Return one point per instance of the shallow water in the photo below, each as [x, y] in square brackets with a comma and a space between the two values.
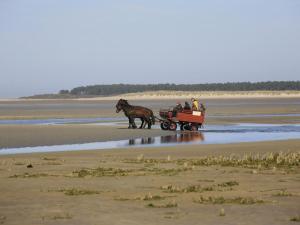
[254, 115]
[211, 134]
[112, 119]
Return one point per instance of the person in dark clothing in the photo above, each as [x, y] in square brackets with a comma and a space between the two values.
[202, 108]
[187, 106]
[177, 108]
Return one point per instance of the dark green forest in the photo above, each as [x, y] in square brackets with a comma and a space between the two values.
[115, 89]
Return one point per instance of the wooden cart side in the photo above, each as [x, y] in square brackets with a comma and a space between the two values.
[190, 118]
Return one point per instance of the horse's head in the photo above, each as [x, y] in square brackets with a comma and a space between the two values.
[120, 105]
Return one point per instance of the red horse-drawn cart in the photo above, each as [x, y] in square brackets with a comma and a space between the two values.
[186, 119]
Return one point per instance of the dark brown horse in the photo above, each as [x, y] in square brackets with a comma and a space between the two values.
[132, 112]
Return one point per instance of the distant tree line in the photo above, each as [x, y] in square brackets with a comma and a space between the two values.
[115, 89]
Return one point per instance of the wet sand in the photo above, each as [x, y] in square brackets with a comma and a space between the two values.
[144, 185]
[30, 109]
[35, 135]
[40, 135]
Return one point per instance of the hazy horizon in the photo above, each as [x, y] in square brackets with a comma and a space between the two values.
[49, 45]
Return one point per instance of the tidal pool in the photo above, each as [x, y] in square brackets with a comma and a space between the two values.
[99, 120]
[211, 134]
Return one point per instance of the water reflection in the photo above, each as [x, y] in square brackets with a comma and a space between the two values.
[176, 138]
[183, 137]
[142, 141]
[211, 134]
[99, 120]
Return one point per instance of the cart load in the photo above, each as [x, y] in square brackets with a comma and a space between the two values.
[187, 119]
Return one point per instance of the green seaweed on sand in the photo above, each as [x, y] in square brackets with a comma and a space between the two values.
[295, 219]
[199, 188]
[2, 219]
[122, 199]
[187, 189]
[101, 172]
[33, 175]
[76, 192]
[228, 184]
[166, 205]
[268, 160]
[110, 172]
[150, 197]
[282, 193]
[222, 200]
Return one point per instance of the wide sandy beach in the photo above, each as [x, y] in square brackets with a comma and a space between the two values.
[151, 186]
[245, 183]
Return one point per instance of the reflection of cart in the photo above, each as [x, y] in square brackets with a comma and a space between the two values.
[186, 119]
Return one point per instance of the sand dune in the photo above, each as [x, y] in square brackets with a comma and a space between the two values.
[201, 94]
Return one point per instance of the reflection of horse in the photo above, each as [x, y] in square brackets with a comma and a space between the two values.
[132, 112]
[144, 141]
[183, 137]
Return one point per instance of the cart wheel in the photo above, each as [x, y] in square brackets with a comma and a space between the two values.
[182, 126]
[173, 126]
[186, 126]
[165, 125]
[194, 127]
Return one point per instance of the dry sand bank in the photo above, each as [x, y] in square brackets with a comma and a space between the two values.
[99, 108]
[153, 188]
[186, 94]
[203, 94]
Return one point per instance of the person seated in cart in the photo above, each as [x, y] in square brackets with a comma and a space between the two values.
[177, 108]
[187, 106]
[195, 104]
[202, 108]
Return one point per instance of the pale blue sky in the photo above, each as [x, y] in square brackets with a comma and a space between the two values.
[48, 45]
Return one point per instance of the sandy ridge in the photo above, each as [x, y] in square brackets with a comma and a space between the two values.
[183, 95]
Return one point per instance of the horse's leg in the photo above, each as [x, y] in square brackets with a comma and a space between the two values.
[149, 123]
[145, 122]
[142, 119]
[133, 123]
[148, 120]
[130, 125]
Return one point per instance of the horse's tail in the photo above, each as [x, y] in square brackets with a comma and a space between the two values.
[152, 118]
